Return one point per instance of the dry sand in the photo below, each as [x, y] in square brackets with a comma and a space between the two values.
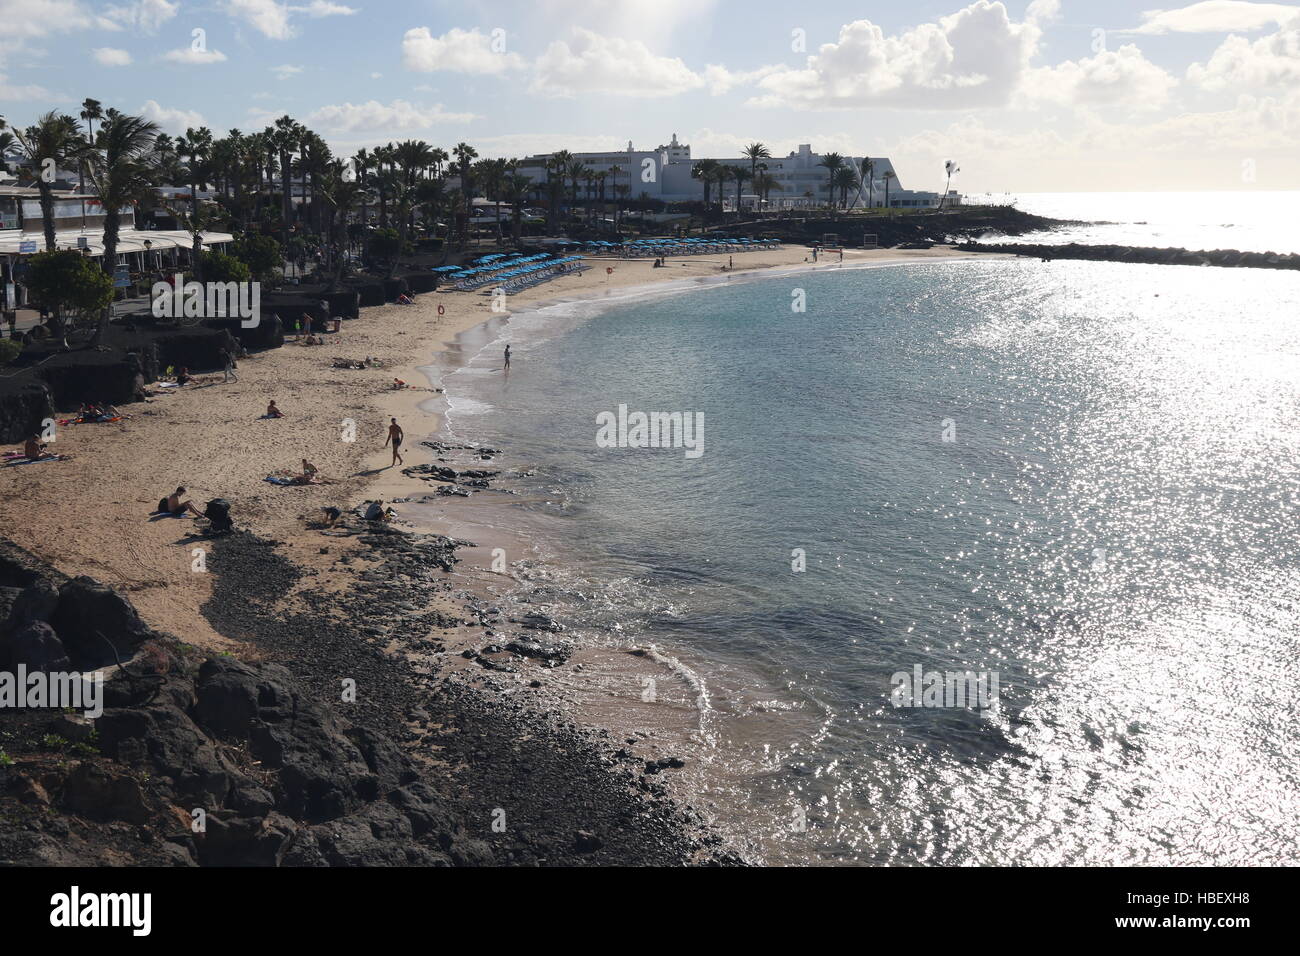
[91, 515]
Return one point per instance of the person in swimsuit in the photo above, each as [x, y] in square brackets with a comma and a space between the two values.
[395, 436]
[507, 356]
[34, 449]
[177, 507]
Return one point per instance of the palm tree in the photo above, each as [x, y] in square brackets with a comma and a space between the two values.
[574, 171]
[313, 162]
[845, 179]
[889, 176]
[515, 186]
[362, 163]
[437, 156]
[831, 162]
[339, 194]
[122, 173]
[490, 174]
[614, 172]
[754, 152]
[706, 171]
[764, 184]
[600, 193]
[197, 144]
[869, 174]
[465, 154]
[287, 135]
[53, 139]
[949, 167]
[91, 110]
[383, 179]
[431, 196]
[7, 142]
[740, 174]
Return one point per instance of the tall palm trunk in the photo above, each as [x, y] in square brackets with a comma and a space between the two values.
[286, 204]
[47, 211]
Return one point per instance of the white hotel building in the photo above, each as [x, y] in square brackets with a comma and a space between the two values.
[664, 174]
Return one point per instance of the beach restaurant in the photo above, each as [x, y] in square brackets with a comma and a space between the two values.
[79, 224]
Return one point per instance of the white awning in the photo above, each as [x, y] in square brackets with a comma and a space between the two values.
[128, 240]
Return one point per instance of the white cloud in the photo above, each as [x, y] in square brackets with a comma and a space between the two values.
[194, 57]
[457, 51]
[721, 80]
[1216, 16]
[144, 15]
[1238, 63]
[110, 56]
[321, 8]
[171, 120]
[653, 24]
[973, 58]
[286, 70]
[9, 91]
[598, 64]
[1187, 150]
[266, 16]
[21, 19]
[398, 115]
[274, 19]
[1122, 77]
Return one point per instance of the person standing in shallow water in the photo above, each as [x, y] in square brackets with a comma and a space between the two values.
[395, 436]
[507, 356]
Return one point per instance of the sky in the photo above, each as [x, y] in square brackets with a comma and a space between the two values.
[1048, 95]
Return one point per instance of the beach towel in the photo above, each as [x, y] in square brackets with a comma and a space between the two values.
[167, 385]
[90, 421]
[14, 462]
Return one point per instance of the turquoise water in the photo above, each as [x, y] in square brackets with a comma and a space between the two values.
[1078, 477]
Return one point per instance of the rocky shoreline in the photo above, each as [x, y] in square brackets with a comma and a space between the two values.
[1229, 258]
[340, 741]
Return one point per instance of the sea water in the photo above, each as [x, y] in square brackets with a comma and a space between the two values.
[1076, 482]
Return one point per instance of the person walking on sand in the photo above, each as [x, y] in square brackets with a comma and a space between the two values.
[395, 436]
[507, 358]
[230, 366]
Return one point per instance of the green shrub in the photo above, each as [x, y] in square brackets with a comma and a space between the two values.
[9, 350]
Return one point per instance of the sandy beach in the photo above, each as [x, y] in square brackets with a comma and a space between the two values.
[95, 509]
